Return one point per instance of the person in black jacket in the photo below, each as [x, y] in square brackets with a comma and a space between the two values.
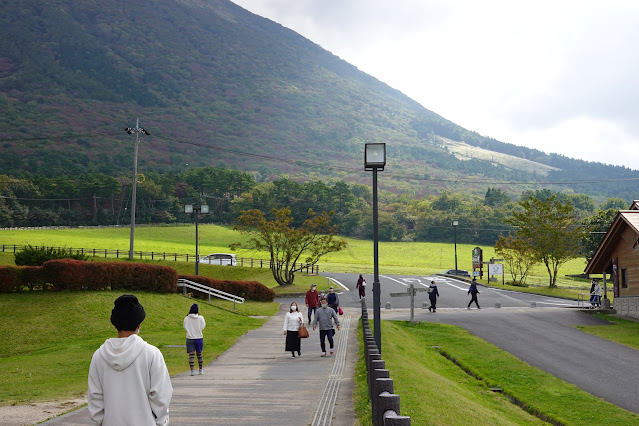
[433, 294]
[473, 293]
[332, 299]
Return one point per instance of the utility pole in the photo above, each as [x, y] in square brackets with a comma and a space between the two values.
[137, 130]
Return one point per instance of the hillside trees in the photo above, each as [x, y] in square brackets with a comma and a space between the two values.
[595, 228]
[94, 198]
[551, 227]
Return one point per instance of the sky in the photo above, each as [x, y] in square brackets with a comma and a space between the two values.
[558, 76]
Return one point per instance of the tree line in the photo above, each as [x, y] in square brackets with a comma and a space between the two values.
[100, 199]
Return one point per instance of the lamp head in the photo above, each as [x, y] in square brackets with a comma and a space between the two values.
[374, 156]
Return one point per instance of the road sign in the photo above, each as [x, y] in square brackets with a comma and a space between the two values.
[495, 269]
[410, 292]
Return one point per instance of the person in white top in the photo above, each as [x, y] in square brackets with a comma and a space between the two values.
[194, 324]
[292, 322]
[129, 383]
[596, 293]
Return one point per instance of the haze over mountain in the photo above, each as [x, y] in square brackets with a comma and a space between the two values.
[217, 85]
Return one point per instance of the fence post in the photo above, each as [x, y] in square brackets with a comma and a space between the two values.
[377, 373]
[387, 402]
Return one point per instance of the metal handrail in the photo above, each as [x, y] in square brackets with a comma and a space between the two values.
[184, 283]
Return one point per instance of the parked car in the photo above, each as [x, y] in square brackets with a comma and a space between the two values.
[225, 259]
[459, 272]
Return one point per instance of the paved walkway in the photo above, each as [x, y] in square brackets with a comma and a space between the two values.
[256, 383]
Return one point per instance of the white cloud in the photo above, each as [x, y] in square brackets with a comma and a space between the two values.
[556, 76]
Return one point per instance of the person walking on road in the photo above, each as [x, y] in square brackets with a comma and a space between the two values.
[433, 294]
[325, 317]
[473, 293]
[292, 323]
[361, 286]
[312, 301]
[332, 299]
[129, 383]
[194, 324]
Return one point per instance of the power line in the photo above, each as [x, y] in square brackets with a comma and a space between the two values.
[58, 137]
[299, 162]
[48, 199]
[401, 176]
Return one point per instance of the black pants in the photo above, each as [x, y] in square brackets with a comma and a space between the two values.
[473, 298]
[323, 335]
[433, 303]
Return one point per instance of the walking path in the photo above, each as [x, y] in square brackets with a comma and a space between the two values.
[256, 383]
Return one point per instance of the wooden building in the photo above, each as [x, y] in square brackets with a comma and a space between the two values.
[618, 256]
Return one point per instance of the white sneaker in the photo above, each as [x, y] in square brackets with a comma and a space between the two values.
[323, 353]
[332, 351]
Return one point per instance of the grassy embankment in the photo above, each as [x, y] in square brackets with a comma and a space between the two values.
[49, 338]
[434, 390]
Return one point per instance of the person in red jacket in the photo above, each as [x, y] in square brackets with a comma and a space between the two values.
[312, 301]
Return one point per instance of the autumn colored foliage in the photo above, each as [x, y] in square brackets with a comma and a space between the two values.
[251, 290]
[68, 274]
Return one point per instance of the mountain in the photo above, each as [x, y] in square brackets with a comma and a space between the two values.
[216, 85]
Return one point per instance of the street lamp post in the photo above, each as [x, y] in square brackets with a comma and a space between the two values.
[375, 159]
[455, 224]
[188, 208]
[137, 130]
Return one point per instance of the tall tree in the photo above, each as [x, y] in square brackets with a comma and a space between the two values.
[287, 244]
[519, 255]
[552, 228]
[595, 229]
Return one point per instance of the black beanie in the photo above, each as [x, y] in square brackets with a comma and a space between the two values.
[194, 309]
[127, 313]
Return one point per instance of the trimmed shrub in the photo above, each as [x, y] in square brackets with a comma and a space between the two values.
[68, 274]
[17, 278]
[10, 278]
[250, 290]
[31, 256]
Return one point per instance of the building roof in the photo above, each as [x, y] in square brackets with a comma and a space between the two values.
[625, 220]
[635, 205]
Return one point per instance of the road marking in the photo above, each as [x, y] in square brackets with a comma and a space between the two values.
[339, 283]
[393, 279]
[410, 280]
[445, 281]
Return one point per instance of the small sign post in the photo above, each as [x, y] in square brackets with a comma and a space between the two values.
[410, 292]
[478, 256]
[496, 268]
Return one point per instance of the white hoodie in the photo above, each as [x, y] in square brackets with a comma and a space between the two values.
[194, 324]
[129, 384]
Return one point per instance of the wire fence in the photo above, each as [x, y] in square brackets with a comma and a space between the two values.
[155, 255]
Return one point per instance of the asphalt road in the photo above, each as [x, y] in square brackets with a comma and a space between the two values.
[453, 293]
[544, 336]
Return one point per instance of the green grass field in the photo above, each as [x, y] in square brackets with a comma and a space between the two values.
[394, 258]
[53, 336]
[436, 391]
[49, 338]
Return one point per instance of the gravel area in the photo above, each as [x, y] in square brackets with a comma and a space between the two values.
[34, 413]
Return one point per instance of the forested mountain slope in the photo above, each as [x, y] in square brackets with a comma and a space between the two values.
[217, 85]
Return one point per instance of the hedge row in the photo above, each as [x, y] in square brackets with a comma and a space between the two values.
[68, 274]
[251, 290]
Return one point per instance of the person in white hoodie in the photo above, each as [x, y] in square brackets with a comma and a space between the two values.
[129, 383]
[194, 324]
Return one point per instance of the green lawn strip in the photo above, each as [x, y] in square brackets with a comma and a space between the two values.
[423, 258]
[52, 337]
[361, 401]
[423, 378]
[622, 331]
